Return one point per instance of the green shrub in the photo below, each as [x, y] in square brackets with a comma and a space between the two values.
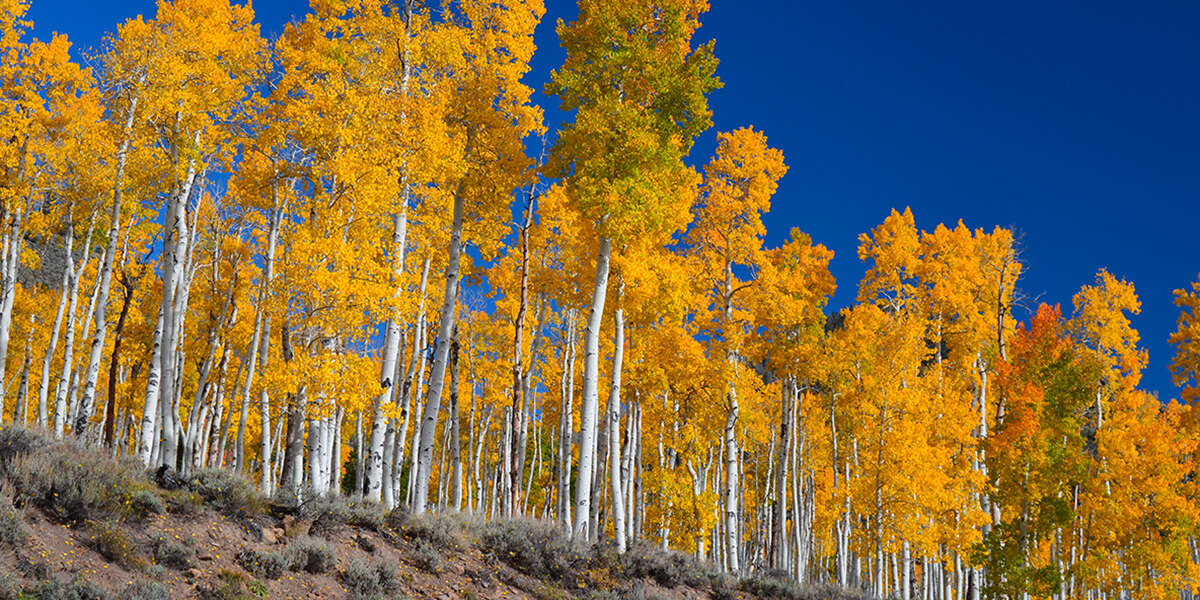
[145, 590]
[369, 582]
[10, 588]
[668, 568]
[71, 484]
[226, 491]
[58, 589]
[310, 555]
[442, 531]
[16, 442]
[13, 531]
[179, 555]
[267, 565]
[184, 502]
[426, 556]
[156, 571]
[772, 586]
[536, 548]
[232, 585]
[330, 512]
[143, 503]
[113, 543]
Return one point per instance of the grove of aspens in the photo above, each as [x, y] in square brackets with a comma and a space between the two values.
[352, 260]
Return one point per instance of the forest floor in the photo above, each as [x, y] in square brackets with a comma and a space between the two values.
[77, 525]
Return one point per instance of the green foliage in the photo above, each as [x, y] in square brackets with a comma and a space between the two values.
[145, 590]
[112, 542]
[58, 589]
[667, 568]
[264, 564]
[232, 585]
[369, 582]
[639, 94]
[178, 554]
[535, 548]
[441, 531]
[143, 503]
[69, 483]
[227, 491]
[329, 512]
[311, 556]
[13, 531]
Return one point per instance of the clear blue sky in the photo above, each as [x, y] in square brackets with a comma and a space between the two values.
[1075, 124]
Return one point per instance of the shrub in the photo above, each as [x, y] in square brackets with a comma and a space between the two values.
[369, 582]
[426, 556]
[143, 503]
[442, 531]
[111, 542]
[16, 442]
[13, 531]
[311, 556]
[57, 589]
[71, 484]
[535, 548]
[145, 590]
[667, 568]
[10, 589]
[232, 585]
[178, 555]
[773, 586]
[227, 491]
[184, 502]
[330, 512]
[156, 571]
[268, 565]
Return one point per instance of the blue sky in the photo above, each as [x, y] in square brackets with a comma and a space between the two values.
[1075, 124]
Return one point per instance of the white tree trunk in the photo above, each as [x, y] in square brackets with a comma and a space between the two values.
[387, 370]
[614, 424]
[588, 410]
[8, 288]
[265, 484]
[566, 427]
[63, 388]
[174, 256]
[68, 280]
[106, 271]
[149, 433]
[730, 435]
[437, 375]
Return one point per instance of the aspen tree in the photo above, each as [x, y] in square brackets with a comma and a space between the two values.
[638, 92]
[492, 115]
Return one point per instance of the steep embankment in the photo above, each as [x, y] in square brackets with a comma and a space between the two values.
[76, 525]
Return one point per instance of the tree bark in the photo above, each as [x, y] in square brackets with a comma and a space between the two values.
[437, 375]
[589, 408]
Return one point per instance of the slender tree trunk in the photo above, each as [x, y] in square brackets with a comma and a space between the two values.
[614, 422]
[438, 373]
[589, 409]
[730, 438]
[68, 279]
[110, 414]
[456, 491]
[65, 380]
[148, 440]
[14, 238]
[106, 271]
[391, 352]
[565, 426]
[174, 256]
[779, 520]
[518, 351]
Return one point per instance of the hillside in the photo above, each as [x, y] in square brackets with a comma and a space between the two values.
[77, 525]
